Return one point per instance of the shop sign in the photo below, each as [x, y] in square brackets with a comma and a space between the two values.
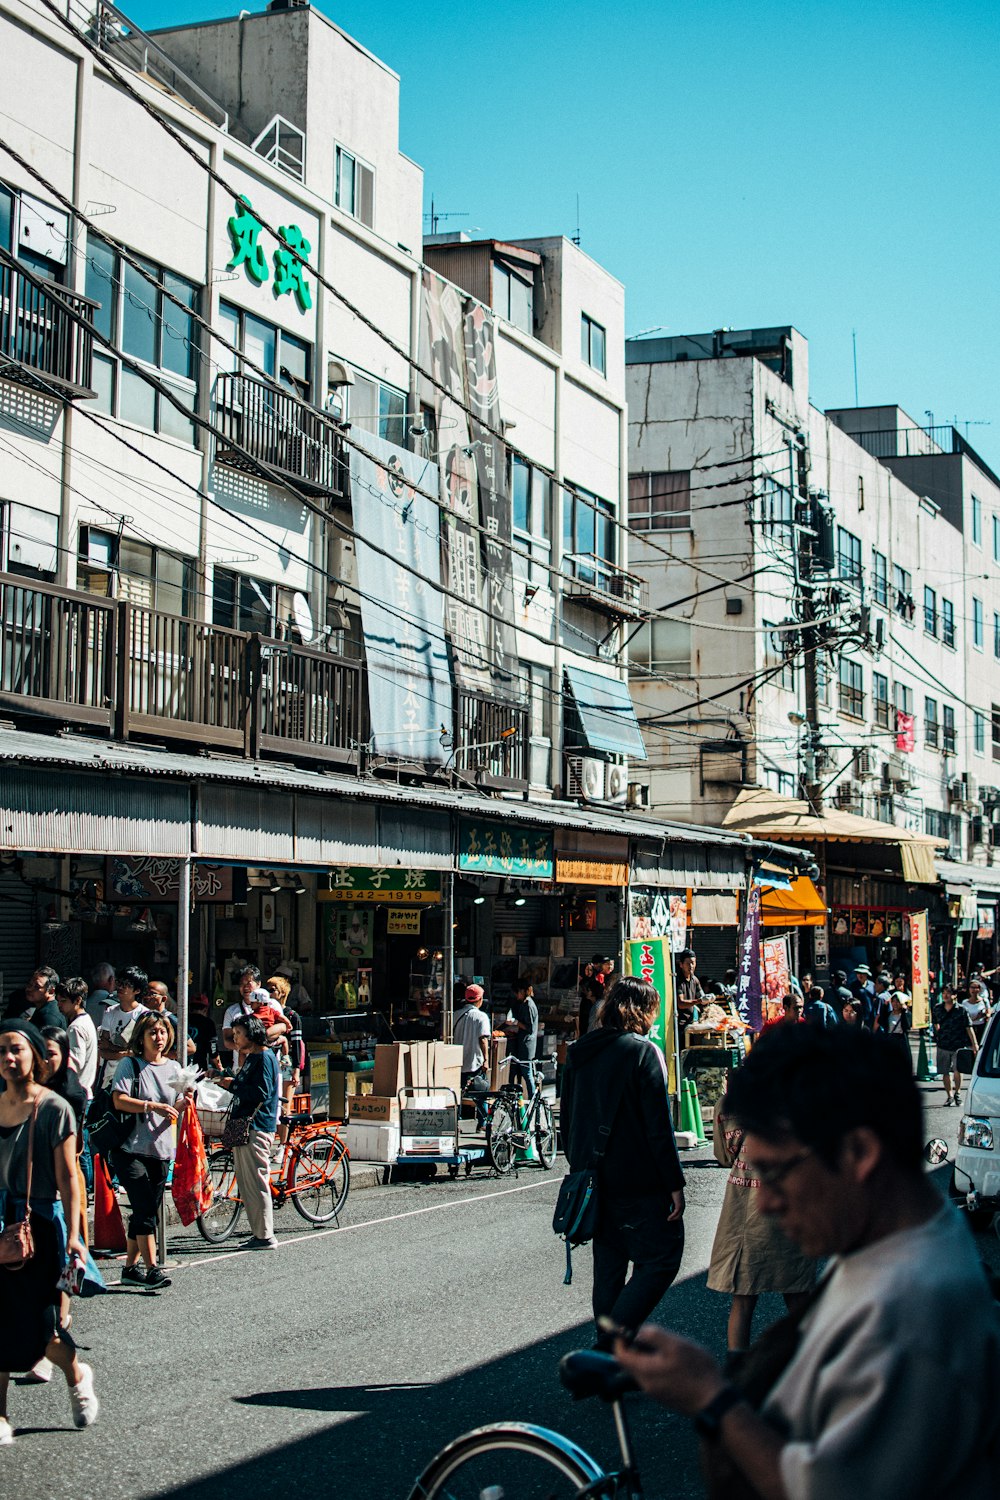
[485, 849]
[651, 960]
[245, 230]
[393, 887]
[403, 922]
[920, 1015]
[591, 871]
[159, 880]
[748, 991]
[985, 920]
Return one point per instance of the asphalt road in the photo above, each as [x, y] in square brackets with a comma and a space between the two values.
[341, 1362]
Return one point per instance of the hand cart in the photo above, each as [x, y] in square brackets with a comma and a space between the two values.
[434, 1122]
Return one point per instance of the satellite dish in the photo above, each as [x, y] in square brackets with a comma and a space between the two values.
[302, 617]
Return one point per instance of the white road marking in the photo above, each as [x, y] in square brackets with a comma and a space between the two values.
[410, 1213]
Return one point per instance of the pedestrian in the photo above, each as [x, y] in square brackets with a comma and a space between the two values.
[791, 1013]
[102, 992]
[157, 997]
[834, 1134]
[146, 1085]
[521, 1028]
[689, 990]
[204, 1033]
[897, 1023]
[952, 1031]
[977, 1007]
[615, 1110]
[816, 1010]
[115, 1032]
[38, 1184]
[750, 1254]
[248, 980]
[863, 990]
[838, 994]
[39, 1003]
[591, 993]
[255, 1090]
[850, 1013]
[290, 1051]
[471, 1031]
[81, 1034]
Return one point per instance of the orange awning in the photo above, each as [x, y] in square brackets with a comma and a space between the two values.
[799, 906]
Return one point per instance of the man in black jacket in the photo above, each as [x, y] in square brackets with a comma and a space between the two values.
[616, 1114]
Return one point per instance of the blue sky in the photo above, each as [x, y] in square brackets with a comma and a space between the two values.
[738, 164]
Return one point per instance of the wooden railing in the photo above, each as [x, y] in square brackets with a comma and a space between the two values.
[491, 741]
[57, 652]
[309, 700]
[267, 430]
[41, 341]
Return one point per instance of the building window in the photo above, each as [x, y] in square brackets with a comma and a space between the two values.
[593, 344]
[660, 502]
[242, 603]
[930, 611]
[283, 358]
[880, 699]
[538, 682]
[996, 539]
[531, 502]
[849, 556]
[119, 568]
[977, 522]
[996, 635]
[948, 739]
[977, 623]
[851, 694]
[588, 534]
[514, 296]
[776, 642]
[978, 732]
[947, 622]
[880, 578]
[995, 730]
[902, 698]
[931, 722]
[663, 647]
[885, 807]
[354, 186]
[823, 681]
[902, 593]
[942, 825]
[140, 321]
[778, 512]
[378, 408]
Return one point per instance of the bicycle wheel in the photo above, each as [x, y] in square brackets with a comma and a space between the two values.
[219, 1219]
[320, 1179]
[511, 1461]
[545, 1135]
[500, 1127]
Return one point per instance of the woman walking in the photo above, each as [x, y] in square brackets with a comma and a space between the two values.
[616, 1116]
[256, 1092]
[144, 1085]
[38, 1184]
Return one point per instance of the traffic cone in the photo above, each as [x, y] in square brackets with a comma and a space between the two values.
[696, 1111]
[109, 1230]
[688, 1125]
[925, 1073]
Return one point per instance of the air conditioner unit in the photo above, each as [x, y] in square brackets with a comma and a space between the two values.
[616, 784]
[974, 809]
[585, 778]
[956, 791]
[848, 796]
[865, 763]
[637, 794]
[895, 770]
[970, 787]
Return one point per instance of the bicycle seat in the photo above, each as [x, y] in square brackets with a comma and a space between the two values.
[587, 1372]
[296, 1120]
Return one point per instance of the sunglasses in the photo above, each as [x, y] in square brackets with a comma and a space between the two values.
[774, 1175]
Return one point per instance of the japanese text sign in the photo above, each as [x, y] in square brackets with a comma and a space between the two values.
[505, 849]
[393, 887]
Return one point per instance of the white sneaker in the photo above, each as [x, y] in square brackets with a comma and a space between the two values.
[41, 1373]
[6, 1433]
[83, 1400]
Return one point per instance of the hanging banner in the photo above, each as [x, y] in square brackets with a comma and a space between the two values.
[777, 975]
[749, 997]
[402, 610]
[651, 960]
[906, 732]
[920, 1015]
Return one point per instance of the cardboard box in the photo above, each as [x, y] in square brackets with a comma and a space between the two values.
[420, 1064]
[446, 1067]
[380, 1108]
[371, 1142]
[392, 1068]
[498, 1051]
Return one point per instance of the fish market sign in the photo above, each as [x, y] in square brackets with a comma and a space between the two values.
[245, 230]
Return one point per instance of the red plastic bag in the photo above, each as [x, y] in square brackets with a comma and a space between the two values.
[191, 1187]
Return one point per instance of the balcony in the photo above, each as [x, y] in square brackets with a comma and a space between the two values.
[604, 587]
[269, 431]
[491, 741]
[41, 343]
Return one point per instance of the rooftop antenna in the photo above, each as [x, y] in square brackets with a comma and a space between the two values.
[576, 237]
[435, 217]
[854, 344]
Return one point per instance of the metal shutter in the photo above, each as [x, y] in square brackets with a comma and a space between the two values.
[18, 955]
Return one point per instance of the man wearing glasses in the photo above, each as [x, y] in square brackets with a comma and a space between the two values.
[834, 1137]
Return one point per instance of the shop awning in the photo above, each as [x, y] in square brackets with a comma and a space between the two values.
[763, 813]
[959, 876]
[607, 714]
[800, 905]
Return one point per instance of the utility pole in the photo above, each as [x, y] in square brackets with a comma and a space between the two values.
[805, 568]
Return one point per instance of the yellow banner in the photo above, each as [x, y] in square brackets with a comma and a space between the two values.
[918, 963]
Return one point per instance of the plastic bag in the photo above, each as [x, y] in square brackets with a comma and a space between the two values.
[209, 1095]
[191, 1187]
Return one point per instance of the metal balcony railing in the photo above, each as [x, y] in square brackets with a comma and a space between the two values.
[266, 429]
[605, 586]
[41, 343]
[491, 740]
[122, 39]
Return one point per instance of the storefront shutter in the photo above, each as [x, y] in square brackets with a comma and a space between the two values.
[18, 955]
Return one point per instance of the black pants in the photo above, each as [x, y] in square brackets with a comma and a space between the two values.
[634, 1231]
[476, 1086]
[143, 1178]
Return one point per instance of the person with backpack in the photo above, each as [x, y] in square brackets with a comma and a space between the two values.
[616, 1120]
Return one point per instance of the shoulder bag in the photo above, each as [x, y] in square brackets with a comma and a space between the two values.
[17, 1246]
[577, 1207]
[110, 1128]
[236, 1130]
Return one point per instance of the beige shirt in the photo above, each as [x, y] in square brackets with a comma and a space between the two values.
[892, 1394]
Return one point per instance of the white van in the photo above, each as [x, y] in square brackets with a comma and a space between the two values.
[977, 1163]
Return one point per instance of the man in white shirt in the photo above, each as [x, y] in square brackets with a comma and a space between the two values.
[117, 1021]
[249, 983]
[102, 992]
[834, 1136]
[472, 1032]
[71, 998]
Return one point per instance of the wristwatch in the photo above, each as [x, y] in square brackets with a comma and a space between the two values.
[708, 1421]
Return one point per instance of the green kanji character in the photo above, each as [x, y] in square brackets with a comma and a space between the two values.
[289, 273]
[244, 231]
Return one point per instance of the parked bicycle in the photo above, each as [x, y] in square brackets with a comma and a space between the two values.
[511, 1460]
[512, 1124]
[312, 1171]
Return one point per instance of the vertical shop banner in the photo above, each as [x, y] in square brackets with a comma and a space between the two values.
[651, 960]
[402, 611]
[777, 975]
[920, 1016]
[906, 732]
[749, 996]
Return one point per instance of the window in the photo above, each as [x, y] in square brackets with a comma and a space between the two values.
[282, 357]
[930, 722]
[823, 681]
[880, 699]
[775, 645]
[778, 512]
[996, 634]
[663, 646]
[593, 344]
[948, 729]
[538, 682]
[849, 556]
[354, 186]
[977, 522]
[947, 622]
[140, 320]
[851, 695]
[902, 591]
[930, 611]
[978, 732]
[995, 730]
[660, 502]
[242, 603]
[514, 296]
[531, 502]
[378, 408]
[588, 534]
[902, 698]
[942, 825]
[120, 568]
[996, 539]
[885, 807]
[880, 578]
[977, 623]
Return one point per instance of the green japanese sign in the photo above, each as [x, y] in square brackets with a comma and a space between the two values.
[507, 849]
[245, 230]
[651, 960]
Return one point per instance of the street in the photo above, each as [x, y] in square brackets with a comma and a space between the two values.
[346, 1358]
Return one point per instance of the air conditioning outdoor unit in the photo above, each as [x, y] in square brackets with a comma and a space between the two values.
[970, 788]
[585, 778]
[956, 791]
[616, 784]
[865, 763]
[637, 794]
[848, 795]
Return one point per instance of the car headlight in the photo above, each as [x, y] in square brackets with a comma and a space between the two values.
[976, 1132]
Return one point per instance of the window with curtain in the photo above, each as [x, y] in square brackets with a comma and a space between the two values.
[660, 502]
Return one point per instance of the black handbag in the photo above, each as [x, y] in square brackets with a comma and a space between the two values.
[109, 1128]
[577, 1206]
